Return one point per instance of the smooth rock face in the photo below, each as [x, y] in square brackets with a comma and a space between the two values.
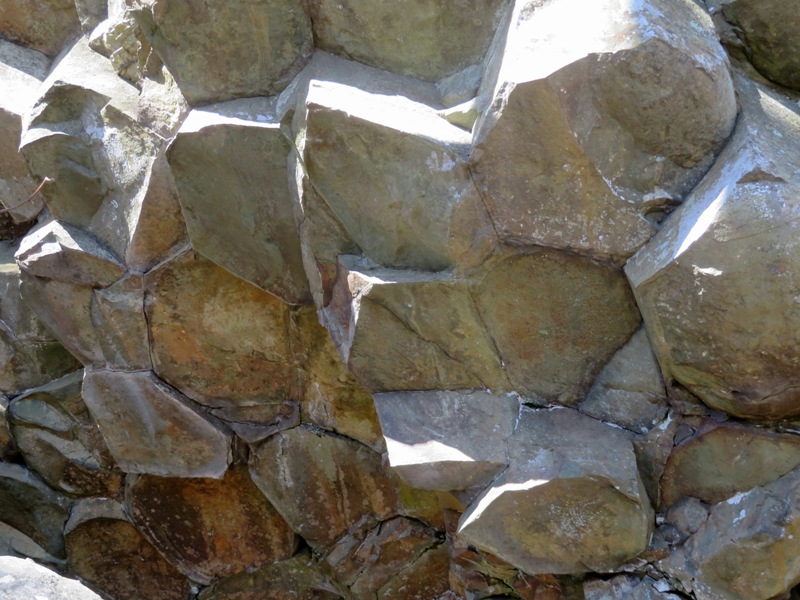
[770, 29]
[717, 287]
[446, 440]
[61, 442]
[44, 25]
[151, 428]
[28, 505]
[229, 164]
[21, 72]
[23, 578]
[421, 38]
[231, 49]
[716, 465]
[571, 500]
[210, 528]
[111, 556]
[566, 84]
[748, 548]
[322, 483]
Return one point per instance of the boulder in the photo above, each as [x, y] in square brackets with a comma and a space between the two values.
[628, 587]
[748, 547]
[555, 319]
[323, 484]
[43, 25]
[117, 313]
[629, 391]
[565, 84]
[152, 428]
[722, 461]
[7, 445]
[107, 553]
[716, 286]
[22, 71]
[15, 543]
[571, 500]
[450, 440]
[437, 340]
[23, 578]
[422, 38]
[221, 341]
[29, 353]
[230, 169]
[32, 508]
[228, 50]
[60, 440]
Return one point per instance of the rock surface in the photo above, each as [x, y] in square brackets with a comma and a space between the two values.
[23, 578]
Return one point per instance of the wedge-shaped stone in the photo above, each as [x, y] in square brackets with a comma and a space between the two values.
[571, 500]
[394, 173]
[597, 119]
[230, 168]
[151, 428]
[422, 38]
[117, 313]
[628, 587]
[298, 577]
[748, 549]
[44, 25]
[770, 31]
[451, 440]
[229, 50]
[29, 506]
[402, 329]
[323, 484]
[629, 390]
[724, 460]
[107, 553]
[378, 561]
[210, 528]
[7, 446]
[61, 442]
[22, 71]
[555, 319]
[220, 340]
[718, 286]
[29, 354]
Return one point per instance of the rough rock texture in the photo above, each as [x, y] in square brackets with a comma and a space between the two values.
[427, 300]
[25, 579]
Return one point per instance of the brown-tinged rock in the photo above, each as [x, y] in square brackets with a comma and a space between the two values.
[571, 500]
[555, 319]
[7, 446]
[152, 428]
[717, 285]
[218, 339]
[596, 120]
[427, 577]
[323, 484]
[748, 547]
[447, 440]
[629, 391]
[44, 25]
[210, 528]
[229, 162]
[22, 71]
[59, 439]
[229, 50]
[107, 553]
[717, 464]
[32, 508]
[652, 452]
[15, 543]
[298, 578]
[422, 38]
[437, 339]
[117, 313]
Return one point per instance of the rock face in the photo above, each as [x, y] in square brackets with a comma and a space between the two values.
[413, 300]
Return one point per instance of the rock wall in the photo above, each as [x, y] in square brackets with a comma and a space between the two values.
[402, 300]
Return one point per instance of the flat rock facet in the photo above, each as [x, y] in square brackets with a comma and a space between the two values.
[44, 25]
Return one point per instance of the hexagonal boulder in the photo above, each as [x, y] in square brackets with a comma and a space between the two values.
[60, 440]
[717, 286]
[151, 428]
[107, 552]
[229, 165]
[566, 83]
[447, 440]
[229, 50]
[724, 460]
[424, 38]
[571, 500]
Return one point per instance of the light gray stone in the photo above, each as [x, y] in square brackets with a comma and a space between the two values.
[628, 587]
[23, 578]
